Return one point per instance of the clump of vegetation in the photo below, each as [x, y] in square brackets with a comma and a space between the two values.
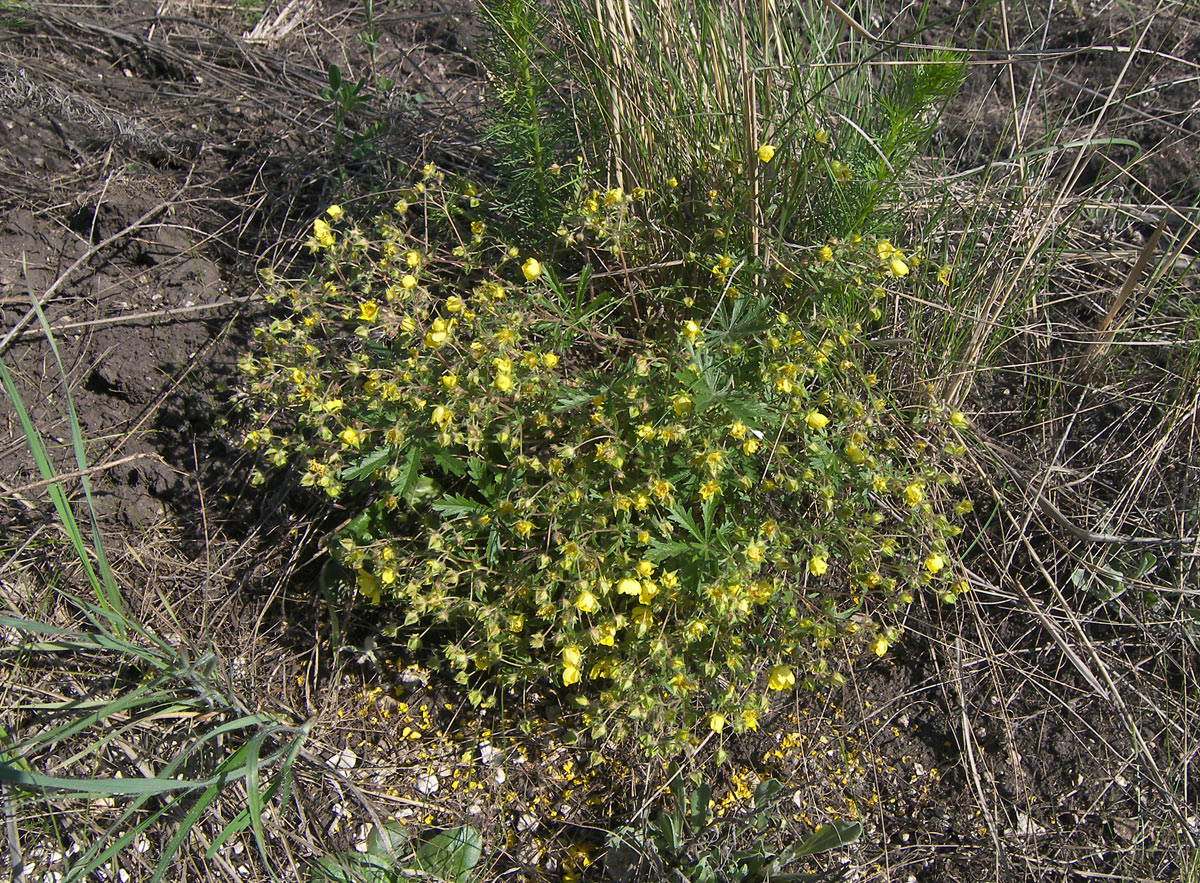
[668, 492]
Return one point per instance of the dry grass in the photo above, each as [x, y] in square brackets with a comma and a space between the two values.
[1057, 701]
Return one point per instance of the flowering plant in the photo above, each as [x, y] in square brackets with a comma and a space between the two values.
[667, 494]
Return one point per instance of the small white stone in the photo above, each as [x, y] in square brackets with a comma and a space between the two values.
[1027, 827]
[526, 822]
[488, 753]
[362, 841]
[427, 783]
[345, 759]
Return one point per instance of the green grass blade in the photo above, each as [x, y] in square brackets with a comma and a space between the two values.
[111, 594]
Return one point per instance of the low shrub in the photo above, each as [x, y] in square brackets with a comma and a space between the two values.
[667, 488]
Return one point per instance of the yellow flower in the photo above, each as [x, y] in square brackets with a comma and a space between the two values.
[914, 494]
[606, 634]
[737, 429]
[449, 381]
[572, 656]
[351, 437]
[455, 304]
[672, 182]
[766, 153]
[708, 489]
[959, 420]
[335, 212]
[368, 310]
[934, 563]
[884, 249]
[716, 722]
[523, 528]
[691, 330]
[437, 334]
[408, 281]
[750, 719]
[387, 576]
[586, 602]
[755, 554]
[816, 420]
[629, 586]
[531, 269]
[880, 645]
[549, 360]
[570, 675]
[322, 233]
[898, 266]
[412, 258]
[681, 404]
[503, 382]
[368, 586]
[614, 196]
[750, 446]
[944, 275]
[825, 254]
[645, 568]
[781, 677]
[642, 618]
[602, 669]
[441, 417]
[333, 406]
[648, 592]
[818, 565]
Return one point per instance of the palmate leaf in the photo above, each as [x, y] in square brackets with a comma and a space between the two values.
[453, 505]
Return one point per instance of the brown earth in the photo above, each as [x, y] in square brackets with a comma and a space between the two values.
[154, 157]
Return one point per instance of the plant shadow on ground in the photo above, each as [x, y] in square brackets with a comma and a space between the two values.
[983, 757]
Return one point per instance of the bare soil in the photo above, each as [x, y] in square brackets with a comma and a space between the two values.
[155, 156]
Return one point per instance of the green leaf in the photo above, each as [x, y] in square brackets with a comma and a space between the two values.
[453, 505]
[392, 835]
[451, 855]
[409, 472]
[832, 836]
[684, 519]
[661, 550]
[670, 832]
[368, 464]
[451, 464]
[350, 867]
[765, 793]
